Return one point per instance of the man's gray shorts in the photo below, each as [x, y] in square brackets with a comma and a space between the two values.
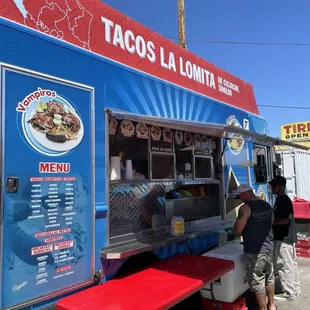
[259, 271]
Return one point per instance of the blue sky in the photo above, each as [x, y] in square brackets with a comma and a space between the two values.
[280, 75]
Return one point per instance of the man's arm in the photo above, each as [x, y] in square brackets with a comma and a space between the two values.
[243, 215]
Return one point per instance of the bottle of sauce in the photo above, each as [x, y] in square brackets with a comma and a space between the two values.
[177, 226]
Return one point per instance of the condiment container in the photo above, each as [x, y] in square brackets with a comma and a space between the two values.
[177, 226]
[188, 167]
[129, 171]
[115, 168]
[222, 238]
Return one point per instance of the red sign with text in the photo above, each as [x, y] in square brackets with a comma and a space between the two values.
[95, 26]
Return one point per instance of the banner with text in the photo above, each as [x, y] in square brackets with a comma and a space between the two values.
[94, 26]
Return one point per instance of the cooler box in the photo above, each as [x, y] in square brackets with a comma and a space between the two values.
[233, 284]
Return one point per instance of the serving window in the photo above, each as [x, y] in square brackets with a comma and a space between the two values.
[203, 167]
[157, 172]
[162, 166]
[159, 153]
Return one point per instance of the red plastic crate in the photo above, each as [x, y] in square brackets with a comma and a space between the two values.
[305, 249]
[302, 251]
[301, 208]
[238, 304]
[302, 254]
[303, 243]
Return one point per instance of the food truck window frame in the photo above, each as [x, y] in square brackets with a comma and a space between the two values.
[151, 163]
[160, 122]
[220, 131]
[194, 167]
[266, 150]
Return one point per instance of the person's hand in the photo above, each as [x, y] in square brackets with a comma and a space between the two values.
[230, 235]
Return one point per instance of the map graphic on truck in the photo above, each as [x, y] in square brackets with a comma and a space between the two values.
[50, 123]
[69, 18]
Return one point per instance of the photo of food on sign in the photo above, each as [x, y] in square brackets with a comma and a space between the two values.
[142, 130]
[167, 134]
[236, 141]
[156, 133]
[112, 126]
[178, 137]
[197, 139]
[188, 139]
[127, 128]
[55, 124]
[261, 194]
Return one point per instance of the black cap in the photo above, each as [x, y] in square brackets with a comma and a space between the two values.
[277, 180]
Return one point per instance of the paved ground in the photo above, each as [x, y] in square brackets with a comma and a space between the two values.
[302, 303]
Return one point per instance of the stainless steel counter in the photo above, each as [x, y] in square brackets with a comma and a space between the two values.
[163, 238]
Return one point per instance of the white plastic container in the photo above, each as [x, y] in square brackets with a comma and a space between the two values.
[177, 226]
[222, 238]
[233, 284]
[129, 172]
[115, 168]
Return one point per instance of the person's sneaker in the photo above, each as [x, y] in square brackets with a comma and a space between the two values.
[282, 297]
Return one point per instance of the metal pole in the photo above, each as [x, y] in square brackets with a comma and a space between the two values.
[181, 23]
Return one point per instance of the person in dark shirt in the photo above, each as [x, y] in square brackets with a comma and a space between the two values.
[254, 224]
[285, 237]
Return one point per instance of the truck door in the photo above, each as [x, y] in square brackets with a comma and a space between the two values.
[46, 187]
[262, 158]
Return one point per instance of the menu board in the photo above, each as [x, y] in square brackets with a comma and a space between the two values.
[182, 140]
[202, 145]
[161, 139]
[47, 206]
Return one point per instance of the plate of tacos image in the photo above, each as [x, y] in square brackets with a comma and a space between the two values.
[127, 128]
[188, 138]
[155, 133]
[142, 130]
[236, 143]
[179, 137]
[167, 134]
[261, 194]
[112, 126]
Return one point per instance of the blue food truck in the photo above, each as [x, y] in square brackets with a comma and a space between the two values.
[110, 133]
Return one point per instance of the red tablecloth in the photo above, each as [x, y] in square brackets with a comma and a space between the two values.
[160, 286]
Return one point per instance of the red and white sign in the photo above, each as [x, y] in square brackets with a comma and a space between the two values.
[49, 240]
[64, 245]
[53, 232]
[47, 167]
[42, 249]
[93, 25]
[63, 269]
